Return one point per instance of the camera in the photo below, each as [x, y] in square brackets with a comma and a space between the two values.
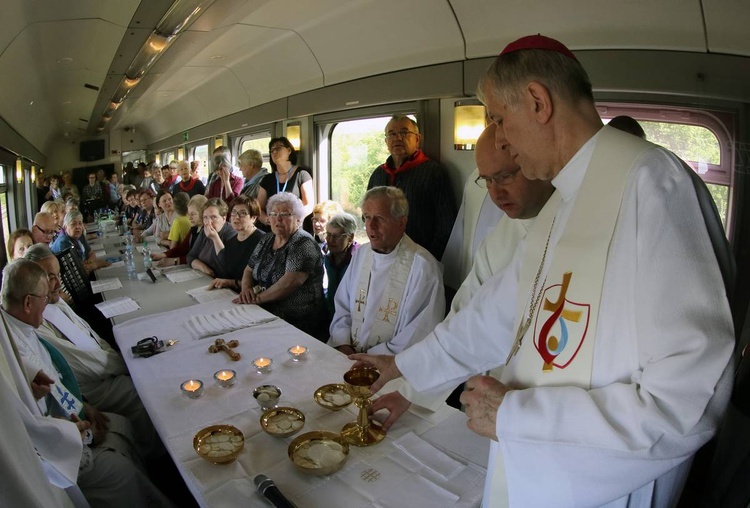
[148, 347]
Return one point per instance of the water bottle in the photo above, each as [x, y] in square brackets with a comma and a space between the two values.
[130, 263]
[147, 263]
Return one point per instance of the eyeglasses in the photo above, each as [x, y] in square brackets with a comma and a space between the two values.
[280, 215]
[501, 178]
[390, 136]
[43, 297]
[335, 236]
[240, 213]
[277, 148]
[47, 232]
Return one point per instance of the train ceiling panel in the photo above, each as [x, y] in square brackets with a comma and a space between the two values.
[489, 25]
[727, 26]
[243, 53]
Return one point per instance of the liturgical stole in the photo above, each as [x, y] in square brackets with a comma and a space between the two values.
[387, 310]
[558, 346]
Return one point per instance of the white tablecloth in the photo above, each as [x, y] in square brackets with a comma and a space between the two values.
[379, 476]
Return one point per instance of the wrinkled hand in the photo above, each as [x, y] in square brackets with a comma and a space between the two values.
[82, 425]
[220, 283]
[246, 296]
[99, 422]
[223, 174]
[482, 398]
[386, 365]
[41, 385]
[210, 231]
[395, 403]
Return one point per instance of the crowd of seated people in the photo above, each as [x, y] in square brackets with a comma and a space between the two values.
[178, 254]
[202, 254]
[72, 236]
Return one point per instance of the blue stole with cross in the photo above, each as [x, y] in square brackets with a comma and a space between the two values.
[66, 393]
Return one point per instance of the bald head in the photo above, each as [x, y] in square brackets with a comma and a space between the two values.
[513, 193]
[44, 228]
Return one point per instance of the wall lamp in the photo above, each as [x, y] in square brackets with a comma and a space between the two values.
[19, 170]
[180, 154]
[294, 134]
[33, 174]
[468, 123]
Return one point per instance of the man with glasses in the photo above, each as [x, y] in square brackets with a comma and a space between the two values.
[99, 369]
[424, 182]
[392, 294]
[44, 229]
[108, 474]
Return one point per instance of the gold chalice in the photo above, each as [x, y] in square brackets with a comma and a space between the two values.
[363, 432]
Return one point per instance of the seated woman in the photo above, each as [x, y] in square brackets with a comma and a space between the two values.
[285, 272]
[57, 210]
[202, 256]
[163, 223]
[146, 214]
[178, 254]
[72, 236]
[321, 213]
[341, 247]
[18, 241]
[181, 223]
[231, 258]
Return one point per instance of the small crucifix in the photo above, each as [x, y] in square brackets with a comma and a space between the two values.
[220, 345]
[391, 309]
[361, 300]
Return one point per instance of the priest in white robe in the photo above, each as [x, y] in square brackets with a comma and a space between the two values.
[477, 217]
[612, 316]
[520, 200]
[392, 294]
[108, 475]
[100, 370]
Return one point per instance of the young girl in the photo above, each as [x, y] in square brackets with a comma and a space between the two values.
[18, 242]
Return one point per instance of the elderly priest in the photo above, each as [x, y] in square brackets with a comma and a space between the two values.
[392, 294]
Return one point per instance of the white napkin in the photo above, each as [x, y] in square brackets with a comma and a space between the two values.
[429, 456]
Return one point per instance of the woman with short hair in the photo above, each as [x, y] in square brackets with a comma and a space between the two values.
[178, 254]
[18, 241]
[285, 272]
[231, 257]
[340, 231]
[181, 223]
[321, 212]
[72, 236]
[201, 256]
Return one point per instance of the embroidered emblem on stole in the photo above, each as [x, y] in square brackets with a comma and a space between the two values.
[564, 325]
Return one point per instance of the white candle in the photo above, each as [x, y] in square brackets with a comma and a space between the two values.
[262, 365]
[225, 378]
[297, 352]
[192, 388]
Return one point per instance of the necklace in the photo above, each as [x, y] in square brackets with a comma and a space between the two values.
[535, 298]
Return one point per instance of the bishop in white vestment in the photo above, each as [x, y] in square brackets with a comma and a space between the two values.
[612, 316]
[392, 294]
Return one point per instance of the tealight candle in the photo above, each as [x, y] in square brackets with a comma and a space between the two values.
[225, 378]
[297, 352]
[192, 388]
[262, 365]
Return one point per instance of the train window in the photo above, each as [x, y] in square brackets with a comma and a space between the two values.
[4, 206]
[357, 148]
[700, 138]
[167, 157]
[200, 153]
[257, 141]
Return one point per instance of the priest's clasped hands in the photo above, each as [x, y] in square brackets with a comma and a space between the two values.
[481, 398]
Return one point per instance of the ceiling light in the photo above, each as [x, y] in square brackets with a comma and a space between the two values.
[65, 60]
[180, 15]
[218, 57]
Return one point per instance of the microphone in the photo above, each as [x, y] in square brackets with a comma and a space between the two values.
[270, 491]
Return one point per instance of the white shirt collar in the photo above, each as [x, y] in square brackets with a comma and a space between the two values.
[569, 179]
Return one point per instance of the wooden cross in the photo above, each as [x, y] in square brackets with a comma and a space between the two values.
[390, 309]
[361, 300]
[220, 345]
